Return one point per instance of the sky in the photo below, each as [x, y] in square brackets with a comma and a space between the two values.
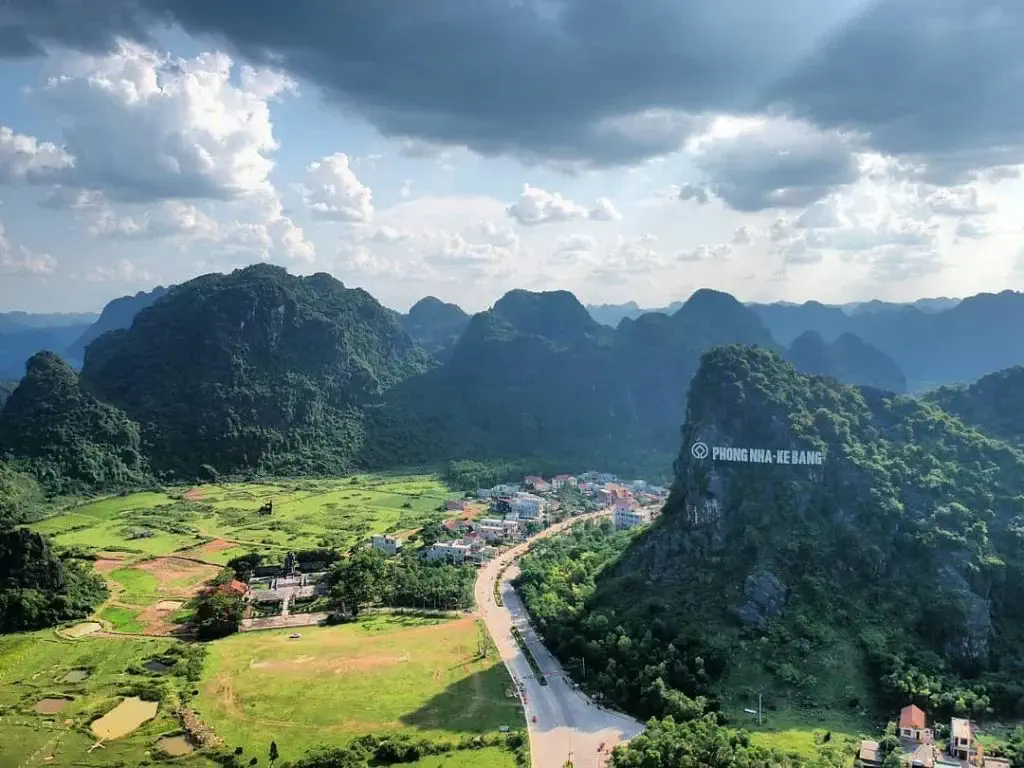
[620, 149]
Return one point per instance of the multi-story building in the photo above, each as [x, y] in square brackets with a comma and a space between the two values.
[628, 516]
[455, 551]
[526, 506]
[559, 481]
[389, 545]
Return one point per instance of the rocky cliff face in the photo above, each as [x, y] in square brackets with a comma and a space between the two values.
[836, 518]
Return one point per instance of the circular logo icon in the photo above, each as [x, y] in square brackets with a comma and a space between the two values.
[699, 451]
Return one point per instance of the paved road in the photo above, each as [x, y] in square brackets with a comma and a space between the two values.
[569, 725]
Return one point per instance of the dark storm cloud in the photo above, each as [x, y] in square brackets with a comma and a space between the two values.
[541, 79]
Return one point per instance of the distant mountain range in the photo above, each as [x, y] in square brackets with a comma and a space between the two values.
[261, 370]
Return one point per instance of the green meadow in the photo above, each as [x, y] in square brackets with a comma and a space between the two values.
[215, 523]
[422, 676]
[41, 666]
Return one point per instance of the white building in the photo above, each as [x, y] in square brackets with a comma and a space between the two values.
[526, 506]
[491, 532]
[487, 521]
[454, 551]
[513, 529]
[626, 516]
[389, 545]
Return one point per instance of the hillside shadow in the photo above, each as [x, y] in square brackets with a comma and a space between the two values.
[475, 704]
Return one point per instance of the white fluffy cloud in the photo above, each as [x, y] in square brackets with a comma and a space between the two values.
[630, 256]
[25, 158]
[142, 126]
[706, 253]
[571, 249]
[19, 260]
[538, 206]
[334, 192]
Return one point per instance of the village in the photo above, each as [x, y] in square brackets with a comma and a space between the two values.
[918, 746]
[480, 525]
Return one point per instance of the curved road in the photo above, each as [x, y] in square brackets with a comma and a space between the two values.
[569, 726]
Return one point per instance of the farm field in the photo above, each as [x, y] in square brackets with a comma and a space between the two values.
[215, 523]
[383, 674]
[51, 688]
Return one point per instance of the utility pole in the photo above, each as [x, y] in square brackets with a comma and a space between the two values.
[584, 667]
[759, 721]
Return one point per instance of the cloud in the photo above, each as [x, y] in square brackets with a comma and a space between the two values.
[537, 206]
[572, 249]
[759, 163]
[334, 192]
[706, 253]
[699, 193]
[19, 260]
[602, 82]
[360, 260]
[743, 235]
[630, 256]
[170, 219]
[141, 126]
[71, 199]
[121, 271]
[25, 158]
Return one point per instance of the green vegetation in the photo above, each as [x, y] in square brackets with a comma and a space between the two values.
[93, 674]
[990, 404]
[67, 438]
[123, 619]
[279, 391]
[39, 588]
[521, 642]
[308, 514]
[389, 674]
[490, 751]
[848, 360]
[701, 741]
[888, 575]
[367, 578]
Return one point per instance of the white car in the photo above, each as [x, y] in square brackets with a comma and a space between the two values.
[294, 636]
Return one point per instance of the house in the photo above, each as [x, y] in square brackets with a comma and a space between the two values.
[491, 532]
[484, 493]
[626, 516]
[962, 744]
[532, 481]
[389, 545]
[912, 725]
[456, 505]
[454, 551]
[527, 506]
[233, 587]
[513, 529]
[560, 481]
[867, 755]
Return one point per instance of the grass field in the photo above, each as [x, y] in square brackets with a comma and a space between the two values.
[383, 674]
[34, 666]
[218, 522]
[804, 732]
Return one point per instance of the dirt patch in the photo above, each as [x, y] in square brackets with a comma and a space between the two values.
[176, 746]
[178, 577]
[168, 606]
[106, 565]
[195, 494]
[212, 547]
[51, 706]
[124, 718]
[83, 629]
[75, 676]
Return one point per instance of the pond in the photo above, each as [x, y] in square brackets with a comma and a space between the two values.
[75, 676]
[176, 746]
[157, 666]
[124, 718]
[51, 706]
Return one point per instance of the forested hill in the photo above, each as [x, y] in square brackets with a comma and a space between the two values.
[435, 325]
[116, 315]
[70, 441]
[257, 369]
[900, 558]
[848, 360]
[537, 377]
[994, 404]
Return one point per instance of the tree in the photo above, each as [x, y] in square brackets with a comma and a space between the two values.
[273, 752]
[218, 614]
[359, 580]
